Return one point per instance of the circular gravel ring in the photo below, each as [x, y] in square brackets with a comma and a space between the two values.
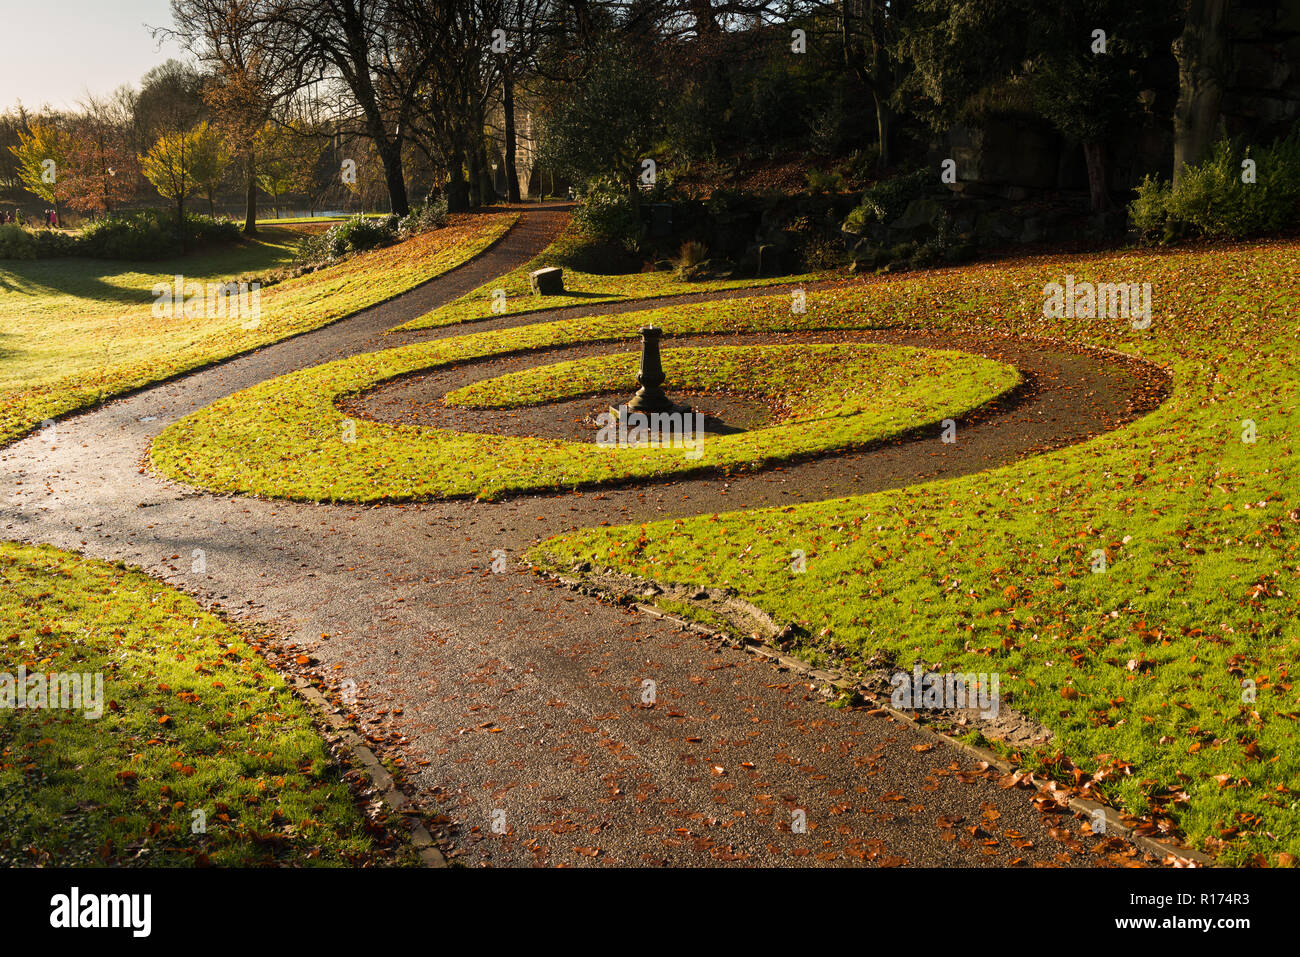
[290, 438]
[427, 398]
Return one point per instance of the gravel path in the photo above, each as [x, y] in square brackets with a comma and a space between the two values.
[514, 701]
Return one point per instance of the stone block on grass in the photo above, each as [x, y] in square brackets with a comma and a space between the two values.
[547, 282]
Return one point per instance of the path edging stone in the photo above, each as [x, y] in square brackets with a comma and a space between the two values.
[393, 797]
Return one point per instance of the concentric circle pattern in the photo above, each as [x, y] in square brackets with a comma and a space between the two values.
[290, 439]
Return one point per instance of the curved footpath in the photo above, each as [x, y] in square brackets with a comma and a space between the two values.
[517, 701]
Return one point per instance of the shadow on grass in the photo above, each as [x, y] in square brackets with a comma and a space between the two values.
[573, 294]
[89, 278]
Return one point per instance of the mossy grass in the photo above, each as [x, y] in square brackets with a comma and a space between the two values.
[891, 384]
[286, 438]
[76, 331]
[201, 754]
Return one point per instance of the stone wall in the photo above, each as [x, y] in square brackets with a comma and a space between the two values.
[1018, 157]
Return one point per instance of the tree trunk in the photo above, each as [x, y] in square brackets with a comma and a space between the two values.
[487, 182]
[884, 128]
[390, 153]
[475, 179]
[512, 174]
[250, 196]
[387, 139]
[180, 220]
[1202, 53]
[1095, 155]
[846, 36]
[457, 189]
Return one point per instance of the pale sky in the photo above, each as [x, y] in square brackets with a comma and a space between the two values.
[55, 51]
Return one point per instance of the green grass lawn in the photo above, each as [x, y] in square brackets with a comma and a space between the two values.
[582, 288]
[307, 220]
[811, 385]
[1137, 669]
[286, 438]
[193, 720]
[75, 331]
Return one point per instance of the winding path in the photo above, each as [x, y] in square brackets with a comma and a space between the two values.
[506, 694]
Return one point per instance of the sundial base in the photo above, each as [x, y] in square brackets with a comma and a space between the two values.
[661, 405]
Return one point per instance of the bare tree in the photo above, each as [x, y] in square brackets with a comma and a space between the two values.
[251, 74]
[276, 50]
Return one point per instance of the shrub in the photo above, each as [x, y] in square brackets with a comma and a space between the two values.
[606, 216]
[858, 219]
[886, 200]
[1211, 200]
[826, 129]
[51, 243]
[208, 229]
[778, 98]
[819, 252]
[820, 181]
[16, 242]
[133, 236]
[148, 234]
[904, 250]
[355, 234]
[692, 120]
[314, 249]
[861, 164]
[727, 202]
[424, 218]
[359, 233]
[692, 261]
[664, 189]
[692, 253]
[1149, 213]
[938, 247]
[144, 234]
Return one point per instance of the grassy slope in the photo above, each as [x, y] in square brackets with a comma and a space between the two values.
[235, 743]
[197, 721]
[308, 220]
[583, 288]
[73, 331]
[1138, 669]
[285, 438]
